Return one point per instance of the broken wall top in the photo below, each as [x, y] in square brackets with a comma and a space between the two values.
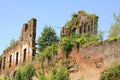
[82, 22]
[28, 35]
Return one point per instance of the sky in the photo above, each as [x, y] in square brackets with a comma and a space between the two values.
[14, 13]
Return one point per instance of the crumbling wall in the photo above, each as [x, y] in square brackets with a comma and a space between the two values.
[80, 23]
[22, 52]
[86, 62]
[89, 62]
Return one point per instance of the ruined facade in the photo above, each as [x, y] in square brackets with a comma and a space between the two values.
[81, 23]
[22, 51]
[86, 63]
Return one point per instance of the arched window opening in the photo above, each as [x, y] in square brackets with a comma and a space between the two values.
[80, 31]
[34, 51]
[24, 55]
[26, 27]
[75, 32]
[4, 62]
[10, 61]
[0, 64]
[17, 58]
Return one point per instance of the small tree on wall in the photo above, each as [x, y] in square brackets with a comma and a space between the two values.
[114, 31]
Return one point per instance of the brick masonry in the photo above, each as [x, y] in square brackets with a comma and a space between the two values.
[87, 62]
[82, 23]
[22, 51]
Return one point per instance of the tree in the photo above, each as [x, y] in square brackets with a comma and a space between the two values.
[48, 36]
[114, 31]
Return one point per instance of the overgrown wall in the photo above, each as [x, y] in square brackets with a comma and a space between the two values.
[89, 62]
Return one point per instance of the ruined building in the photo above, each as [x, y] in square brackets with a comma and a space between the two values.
[86, 63]
[80, 23]
[20, 52]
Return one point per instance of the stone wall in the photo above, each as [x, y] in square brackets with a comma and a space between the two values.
[22, 51]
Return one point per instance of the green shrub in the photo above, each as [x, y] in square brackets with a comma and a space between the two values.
[66, 44]
[7, 76]
[2, 79]
[78, 41]
[42, 77]
[111, 73]
[61, 74]
[26, 73]
[18, 75]
[113, 38]
[48, 53]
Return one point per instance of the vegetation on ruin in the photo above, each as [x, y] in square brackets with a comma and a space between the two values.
[25, 73]
[73, 22]
[48, 44]
[100, 36]
[112, 73]
[56, 74]
[82, 12]
[48, 53]
[46, 38]
[66, 44]
[78, 41]
[114, 32]
[92, 16]
[49, 49]
[7, 76]
[13, 42]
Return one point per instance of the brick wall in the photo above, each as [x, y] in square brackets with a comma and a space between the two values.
[21, 52]
[89, 62]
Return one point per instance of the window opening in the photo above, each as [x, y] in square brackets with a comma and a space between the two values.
[24, 57]
[0, 64]
[10, 61]
[4, 62]
[17, 58]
